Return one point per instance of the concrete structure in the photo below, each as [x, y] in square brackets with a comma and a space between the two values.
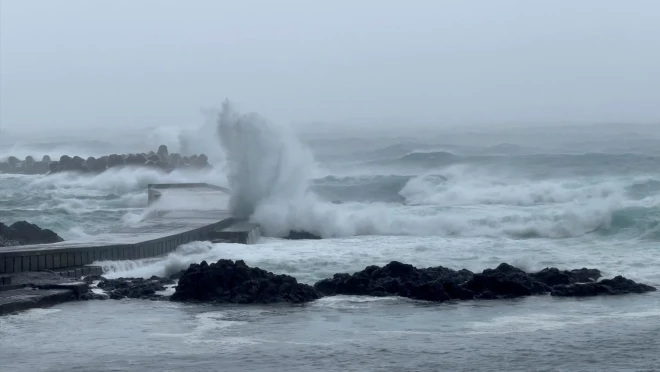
[157, 235]
[28, 298]
[242, 232]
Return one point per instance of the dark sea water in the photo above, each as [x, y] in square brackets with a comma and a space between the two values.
[422, 205]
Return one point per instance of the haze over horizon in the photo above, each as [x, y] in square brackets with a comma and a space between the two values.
[73, 65]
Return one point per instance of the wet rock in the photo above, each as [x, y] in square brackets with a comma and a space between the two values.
[135, 159]
[398, 279]
[140, 288]
[177, 275]
[441, 284]
[505, 281]
[5, 167]
[227, 281]
[617, 286]
[301, 235]
[89, 279]
[93, 296]
[46, 159]
[552, 276]
[26, 233]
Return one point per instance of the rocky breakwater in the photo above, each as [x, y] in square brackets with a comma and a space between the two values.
[443, 284]
[161, 159]
[24, 233]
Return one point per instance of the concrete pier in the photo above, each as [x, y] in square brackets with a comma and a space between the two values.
[167, 227]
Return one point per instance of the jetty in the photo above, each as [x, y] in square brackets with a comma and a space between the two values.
[175, 214]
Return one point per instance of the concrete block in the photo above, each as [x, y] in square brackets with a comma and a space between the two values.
[85, 270]
[70, 273]
[57, 260]
[34, 263]
[77, 258]
[2, 265]
[25, 263]
[77, 272]
[85, 257]
[41, 262]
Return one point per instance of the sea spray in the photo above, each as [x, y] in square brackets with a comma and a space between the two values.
[269, 170]
[265, 162]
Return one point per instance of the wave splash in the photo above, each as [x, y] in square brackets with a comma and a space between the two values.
[269, 171]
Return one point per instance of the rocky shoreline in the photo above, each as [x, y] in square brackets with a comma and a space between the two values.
[226, 281]
[234, 282]
[160, 159]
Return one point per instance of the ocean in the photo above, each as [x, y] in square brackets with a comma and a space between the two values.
[373, 200]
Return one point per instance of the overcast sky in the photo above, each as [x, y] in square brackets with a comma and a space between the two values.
[71, 64]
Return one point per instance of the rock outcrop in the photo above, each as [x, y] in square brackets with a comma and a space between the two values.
[22, 233]
[162, 160]
[227, 281]
[443, 284]
[138, 288]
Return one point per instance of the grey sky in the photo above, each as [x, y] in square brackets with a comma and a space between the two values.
[74, 64]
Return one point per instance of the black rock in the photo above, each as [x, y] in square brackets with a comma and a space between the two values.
[398, 279]
[45, 159]
[118, 289]
[552, 276]
[505, 281]
[227, 281]
[301, 235]
[24, 232]
[617, 286]
[177, 275]
[89, 279]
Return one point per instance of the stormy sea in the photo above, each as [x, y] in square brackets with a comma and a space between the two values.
[534, 198]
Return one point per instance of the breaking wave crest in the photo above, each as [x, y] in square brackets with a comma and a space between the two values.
[269, 172]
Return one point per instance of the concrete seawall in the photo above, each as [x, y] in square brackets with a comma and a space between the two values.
[153, 237]
[165, 228]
